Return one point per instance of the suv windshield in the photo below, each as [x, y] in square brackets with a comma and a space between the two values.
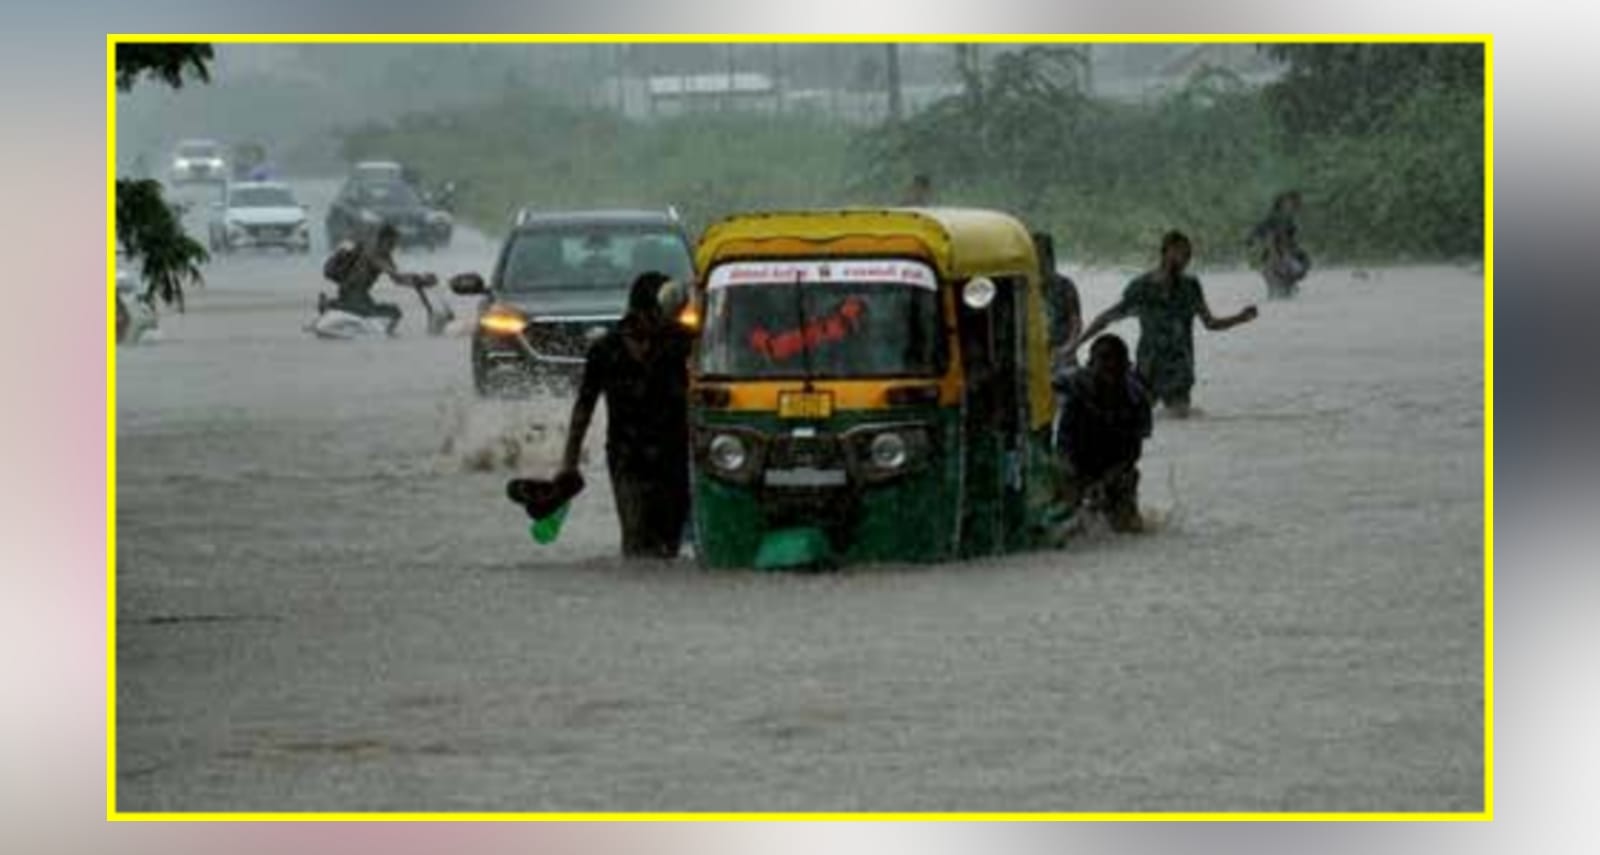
[604, 257]
[879, 321]
[385, 194]
[261, 197]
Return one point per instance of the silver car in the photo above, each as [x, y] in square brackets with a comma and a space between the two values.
[259, 213]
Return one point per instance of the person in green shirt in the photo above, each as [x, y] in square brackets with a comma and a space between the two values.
[1166, 301]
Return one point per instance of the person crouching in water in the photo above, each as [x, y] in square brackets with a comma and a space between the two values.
[1166, 301]
[642, 369]
[1104, 421]
[373, 259]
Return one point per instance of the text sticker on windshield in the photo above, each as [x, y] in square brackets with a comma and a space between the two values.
[856, 270]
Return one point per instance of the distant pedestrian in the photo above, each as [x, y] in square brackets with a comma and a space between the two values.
[920, 193]
[1283, 263]
[1064, 308]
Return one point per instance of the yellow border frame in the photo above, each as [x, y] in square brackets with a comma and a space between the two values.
[1487, 40]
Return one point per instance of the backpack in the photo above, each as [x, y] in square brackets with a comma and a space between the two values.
[341, 262]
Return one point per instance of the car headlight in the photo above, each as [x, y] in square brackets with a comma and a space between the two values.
[728, 453]
[888, 451]
[368, 216]
[503, 323]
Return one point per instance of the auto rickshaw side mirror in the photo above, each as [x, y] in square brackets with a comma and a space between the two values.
[467, 284]
[978, 293]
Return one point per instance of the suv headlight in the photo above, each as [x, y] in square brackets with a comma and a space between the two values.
[503, 323]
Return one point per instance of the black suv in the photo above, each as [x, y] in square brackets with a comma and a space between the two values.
[561, 282]
[363, 204]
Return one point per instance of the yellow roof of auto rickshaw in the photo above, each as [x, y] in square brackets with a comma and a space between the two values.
[959, 241]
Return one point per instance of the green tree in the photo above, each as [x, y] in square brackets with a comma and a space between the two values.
[1005, 127]
[147, 226]
[1359, 88]
[165, 62]
[1390, 137]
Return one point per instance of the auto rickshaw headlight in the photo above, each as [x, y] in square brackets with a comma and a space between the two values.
[978, 293]
[728, 453]
[888, 451]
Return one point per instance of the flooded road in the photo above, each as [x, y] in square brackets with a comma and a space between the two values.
[325, 603]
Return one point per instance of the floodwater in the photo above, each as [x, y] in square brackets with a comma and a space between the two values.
[325, 603]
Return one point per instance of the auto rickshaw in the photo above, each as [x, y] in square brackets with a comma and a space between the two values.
[869, 385]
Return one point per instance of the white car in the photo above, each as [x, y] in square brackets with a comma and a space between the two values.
[259, 213]
[199, 160]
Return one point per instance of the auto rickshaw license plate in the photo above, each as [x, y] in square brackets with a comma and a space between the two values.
[805, 405]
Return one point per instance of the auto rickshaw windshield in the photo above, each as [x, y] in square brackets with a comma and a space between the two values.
[872, 326]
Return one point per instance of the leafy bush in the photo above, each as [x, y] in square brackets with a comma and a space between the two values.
[1413, 189]
[1106, 178]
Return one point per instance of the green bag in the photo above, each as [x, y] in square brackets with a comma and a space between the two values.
[547, 528]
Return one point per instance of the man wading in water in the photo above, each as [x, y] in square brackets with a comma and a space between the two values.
[1166, 301]
[642, 369]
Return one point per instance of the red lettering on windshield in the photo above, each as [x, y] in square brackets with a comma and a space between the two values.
[832, 328]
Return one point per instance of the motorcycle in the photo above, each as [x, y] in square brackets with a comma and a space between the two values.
[333, 322]
[1282, 269]
[442, 197]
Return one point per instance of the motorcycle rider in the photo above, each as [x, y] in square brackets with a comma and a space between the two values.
[1283, 262]
[373, 259]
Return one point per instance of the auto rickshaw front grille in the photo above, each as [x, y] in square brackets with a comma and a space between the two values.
[790, 452]
[832, 508]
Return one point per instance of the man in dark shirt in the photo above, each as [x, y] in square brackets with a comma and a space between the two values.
[1166, 301]
[1065, 313]
[642, 369]
[1104, 422]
